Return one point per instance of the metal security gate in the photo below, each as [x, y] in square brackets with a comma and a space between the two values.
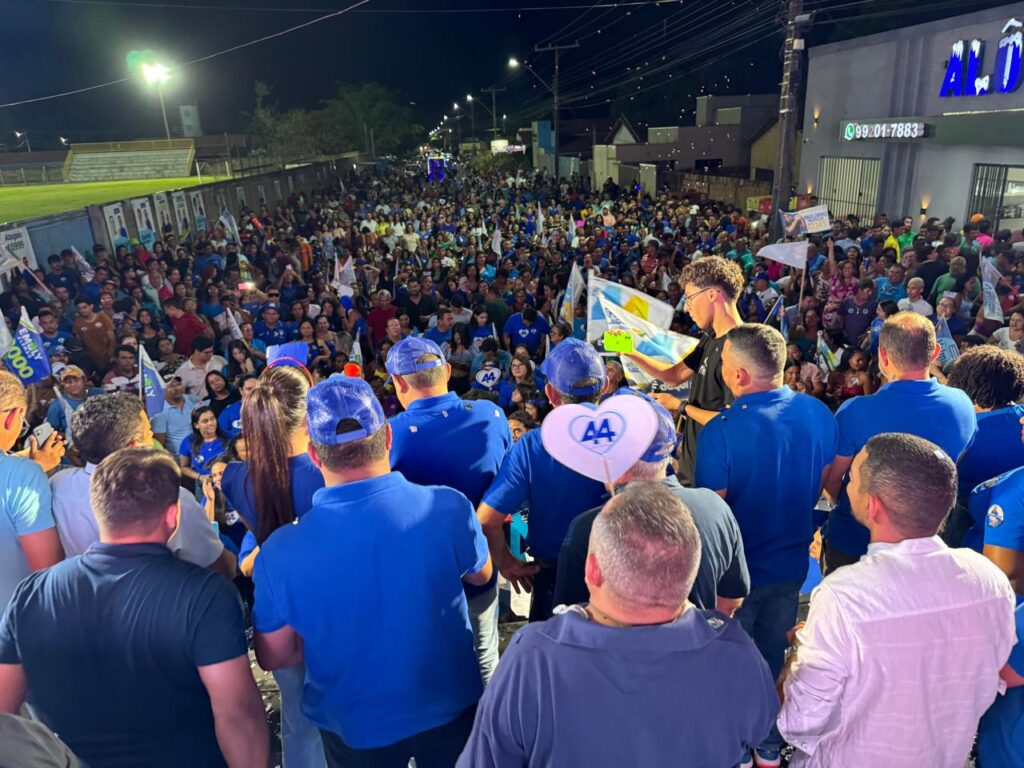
[988, 185]
[849, 185]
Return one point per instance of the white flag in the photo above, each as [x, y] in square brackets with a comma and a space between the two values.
[791, 254]
[6, 340]
[230, 225]
[990, 277]
[496, 240]
[344, 277]
[540, 221]
[573, 292]
[233, 327]
[83, 266]
[8, 261]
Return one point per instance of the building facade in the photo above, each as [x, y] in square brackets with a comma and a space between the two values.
[926, 120]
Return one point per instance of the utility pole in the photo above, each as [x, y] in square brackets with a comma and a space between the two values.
[792, 66]
[494, 109]
[557, 50]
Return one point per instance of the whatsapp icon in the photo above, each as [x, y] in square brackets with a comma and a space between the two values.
[849, 131]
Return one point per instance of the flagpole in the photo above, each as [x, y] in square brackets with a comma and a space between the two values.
[142, 380]
[800, 300]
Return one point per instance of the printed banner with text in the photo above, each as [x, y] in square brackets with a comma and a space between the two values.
[807, 220]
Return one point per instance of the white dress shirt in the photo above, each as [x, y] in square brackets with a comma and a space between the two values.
[899, 658]
[194, 541]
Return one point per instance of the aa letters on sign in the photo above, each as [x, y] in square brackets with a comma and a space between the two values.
[600, 442]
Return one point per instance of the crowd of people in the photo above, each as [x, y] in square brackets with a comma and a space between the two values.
[355, 383]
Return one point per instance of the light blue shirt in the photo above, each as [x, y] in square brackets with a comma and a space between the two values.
[25, 508]
[176, 423]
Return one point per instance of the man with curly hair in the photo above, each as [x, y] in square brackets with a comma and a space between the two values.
[711, 286]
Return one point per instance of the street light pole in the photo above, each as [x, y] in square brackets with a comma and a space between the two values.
[24, 135]
[557, 50]
[494, 109]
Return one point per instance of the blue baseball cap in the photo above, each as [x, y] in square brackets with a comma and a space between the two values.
[664, 442]
[571, 361]
[403, 357]
[341, 399]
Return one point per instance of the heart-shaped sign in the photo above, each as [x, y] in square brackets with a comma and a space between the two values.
[600, 442]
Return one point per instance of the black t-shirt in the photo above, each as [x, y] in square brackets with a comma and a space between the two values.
[707, 391]
[931, 271]
[419, 312]
[110, 643]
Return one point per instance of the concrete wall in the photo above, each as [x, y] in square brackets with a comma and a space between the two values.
[764, 147]
[905, 69]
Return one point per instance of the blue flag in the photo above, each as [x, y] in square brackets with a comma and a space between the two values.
[26, 357]
[948, 349]
[151, 385]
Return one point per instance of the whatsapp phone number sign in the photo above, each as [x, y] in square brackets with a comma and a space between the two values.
[897, 129]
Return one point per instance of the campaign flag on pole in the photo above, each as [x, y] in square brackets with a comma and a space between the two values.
[83, 266]
[26, 357]
[572, 294]
[948, 349]
[8, 261]
[648, 339]
[6, 340]
[791, 254]
[826, 356]
[151, 385]
[635, 302]
[540, 220]
[230, 225]
[344, 277]
[990, 277]
[784, 323]
[233, 328]
[496, 239]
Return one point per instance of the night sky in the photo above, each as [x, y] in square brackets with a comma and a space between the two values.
[680, 49]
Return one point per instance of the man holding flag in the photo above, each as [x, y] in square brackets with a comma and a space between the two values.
[711, 286]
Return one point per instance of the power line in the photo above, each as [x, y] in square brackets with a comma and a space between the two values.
[232, 49]
[417, 11]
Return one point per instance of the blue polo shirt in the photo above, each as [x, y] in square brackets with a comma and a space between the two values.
[372, 582]
[1001, 731]
[445, 440]
[531, 336]
[997, 513]
[692, 692]
[996, 449]
[769, 450]
[928, 409]
[553, 493]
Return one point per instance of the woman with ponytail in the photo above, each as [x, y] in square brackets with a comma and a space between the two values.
[273, 488]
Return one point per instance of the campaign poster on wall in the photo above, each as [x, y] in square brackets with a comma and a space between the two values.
[198, 210]
[162, 206]
[181, 214]
[144, 219]
[117, 225]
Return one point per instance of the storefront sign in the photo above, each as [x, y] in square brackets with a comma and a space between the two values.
[884, 129]
[964, 72]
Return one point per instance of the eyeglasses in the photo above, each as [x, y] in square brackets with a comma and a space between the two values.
[693, 296]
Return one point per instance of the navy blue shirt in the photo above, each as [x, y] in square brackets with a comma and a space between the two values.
[570, 692]
[722, 570]
[110, 642]
[997, 448]
[270, 336]
[769, 450]
[553, 493]
[928, 409]
[531, 336]
[371, 579]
